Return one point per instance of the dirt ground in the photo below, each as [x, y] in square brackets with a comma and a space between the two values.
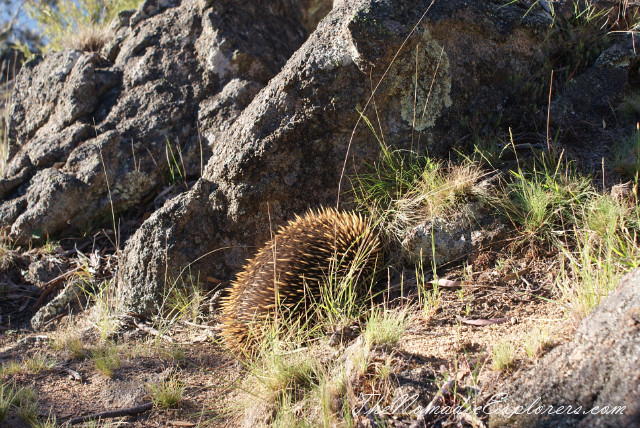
[493, 297]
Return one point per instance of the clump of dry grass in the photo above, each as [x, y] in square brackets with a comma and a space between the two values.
[536, 343]
[89, 38]
[404, 188]
[502, 355]
[78, 24]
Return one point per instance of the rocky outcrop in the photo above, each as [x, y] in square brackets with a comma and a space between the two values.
[90, 132]
[293, 145]
[604, 355]
[226, 93]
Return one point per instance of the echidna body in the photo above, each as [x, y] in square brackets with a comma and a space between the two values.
[296, 263]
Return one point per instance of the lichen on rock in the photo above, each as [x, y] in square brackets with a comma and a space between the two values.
[422, 102]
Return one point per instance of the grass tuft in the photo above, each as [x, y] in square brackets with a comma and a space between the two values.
[106, 359]
[536, 343]
[88, 38]
[385, 327]
[39, 362]
[405, 188]
[168, 393]
[541, 199]
[626, 158]
[502, 355]
[7, 397]
[64, 21]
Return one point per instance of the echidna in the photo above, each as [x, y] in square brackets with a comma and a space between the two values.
[296, 263]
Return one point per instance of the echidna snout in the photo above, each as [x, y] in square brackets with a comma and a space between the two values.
[296, 263]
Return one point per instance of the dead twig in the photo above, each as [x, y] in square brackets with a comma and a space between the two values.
[112, 414]
[146, 328]
[50, 286]
[206, 327]
[483, 322]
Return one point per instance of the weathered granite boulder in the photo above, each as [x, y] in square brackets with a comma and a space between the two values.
[444, 239]
[293, 145]
[89, 132]
[597, 374]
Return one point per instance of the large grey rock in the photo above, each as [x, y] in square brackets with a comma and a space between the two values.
[599, 368]
[443, 239]
[287, 149]
[89, 132]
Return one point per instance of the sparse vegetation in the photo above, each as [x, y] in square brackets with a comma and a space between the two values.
[626, 158]
[25, 403]
[77, 24]
[68, 340]
[536, 342]
[7, 396]
[385, 327]
[405, 188]
[104, 309]
[542, 199]
[185, 300]
[106, 358]
[429, 294]
[38, 362]
[167, 393]
[12, 367]
[33, 365]
[502, 355]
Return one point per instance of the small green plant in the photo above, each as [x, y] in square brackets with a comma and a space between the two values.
[39, 362]
[592, 272]
[331, 391]
[168, 393]
[28, 412]
[340, 301]
[281, 366]
[50, 247]
[384, 371]
[173, 353]
[284, 371]
[106, 359]
[606, 246]
[542, 199]
[502, 355]
[69, 340]
[177, 171]
[385, 327]
[51, 422]
[606, 217]
[26, 402]
[12, 368]
[430, 298]
[536, 342]
[626, 159]
[104, 308]
[7, 397]
[184, 301]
